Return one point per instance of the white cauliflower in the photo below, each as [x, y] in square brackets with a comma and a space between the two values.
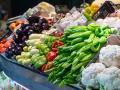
[110, 55]
[109, 78]
[90, 73]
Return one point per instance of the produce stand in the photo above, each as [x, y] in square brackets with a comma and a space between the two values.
[49, 53]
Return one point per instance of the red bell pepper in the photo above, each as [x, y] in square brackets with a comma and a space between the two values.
[51, 55]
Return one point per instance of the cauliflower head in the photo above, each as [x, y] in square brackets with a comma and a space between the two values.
[110, 78]
[90, 73]
[110, 55]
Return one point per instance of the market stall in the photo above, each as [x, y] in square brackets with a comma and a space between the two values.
[75, 50]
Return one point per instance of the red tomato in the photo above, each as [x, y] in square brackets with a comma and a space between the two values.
[51, 56]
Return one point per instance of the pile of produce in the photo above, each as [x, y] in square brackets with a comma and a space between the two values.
[36, 24]
[81, 44]
[39, 52]
[105, 74]
[66, 48]
[4, 44]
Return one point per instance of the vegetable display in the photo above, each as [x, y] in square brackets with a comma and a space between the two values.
[66, 50]
[97, 76]
[81, 43]
[40, 51]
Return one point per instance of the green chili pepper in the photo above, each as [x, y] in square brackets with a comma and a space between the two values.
[85, 48]
[101, 33]
[78, 58]
[95, 48]
[95, 41]
[87, 57]
[90, 39]
[92, 27]
[76, 40]
[75, 29]
[77, 46]
[61, 60]
[82, 68]
[58, 58]
[62, 83]
[97, 32]
[70, 81]
[73, 54]
[57, 81]
[103, 40]
[77, 35]
[107, 31]
[76, 67]
[50, 75]
[65, 64]
[64, 49]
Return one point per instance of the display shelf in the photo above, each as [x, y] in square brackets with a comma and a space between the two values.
[28, 77]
